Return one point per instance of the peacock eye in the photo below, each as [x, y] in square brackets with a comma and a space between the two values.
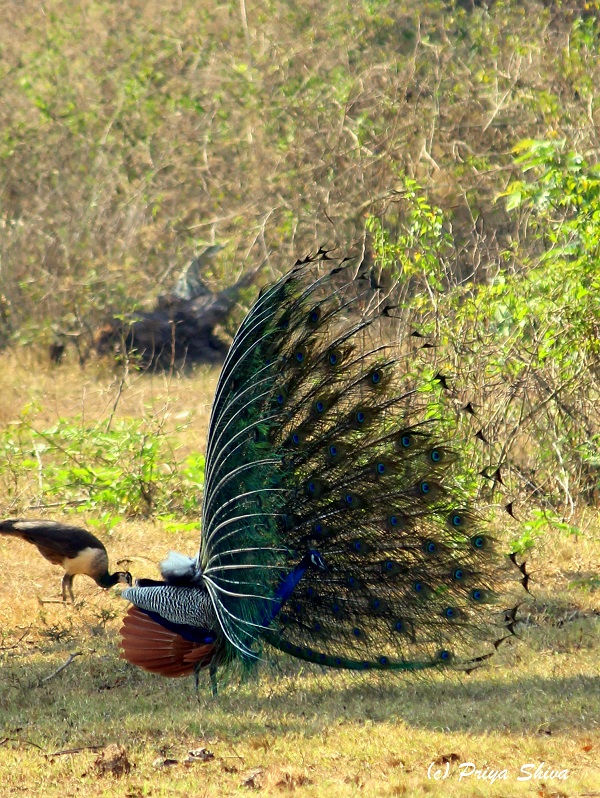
[430, 547]
[450, 612]
[456, 520]
[425, 488]
[444, 655]
[476, 595]
[393, 519]
[319, 406]
[406, 441]
[299, 356]
[376, 377]
[458, 574]
[295, 438]
[360, 417]
[478, 542]
[333, 450]
[435, 456]
[314, 315]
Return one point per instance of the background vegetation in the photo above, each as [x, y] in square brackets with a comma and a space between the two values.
[457, 142]
[133, 132]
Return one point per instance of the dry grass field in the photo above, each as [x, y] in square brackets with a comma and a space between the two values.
[100, 727]
[458, 139]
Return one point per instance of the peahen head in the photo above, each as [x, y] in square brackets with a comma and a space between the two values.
[118, 578]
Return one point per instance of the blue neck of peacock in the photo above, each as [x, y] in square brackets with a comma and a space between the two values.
[312, 559]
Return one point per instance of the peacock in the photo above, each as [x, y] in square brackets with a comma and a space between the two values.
[340, 524]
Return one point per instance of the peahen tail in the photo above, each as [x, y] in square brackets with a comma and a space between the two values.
[345, 518]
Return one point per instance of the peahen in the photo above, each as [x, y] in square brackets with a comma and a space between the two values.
[74, 548]
[338, 524]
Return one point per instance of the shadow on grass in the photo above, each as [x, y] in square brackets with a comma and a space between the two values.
[105, 696]
[547, 705]
[305, 704]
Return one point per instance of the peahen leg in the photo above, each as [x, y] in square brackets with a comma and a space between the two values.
[67, 584]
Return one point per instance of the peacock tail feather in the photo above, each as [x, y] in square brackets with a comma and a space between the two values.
[348, 495]
[328, 434]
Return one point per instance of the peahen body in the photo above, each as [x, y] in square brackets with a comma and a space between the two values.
[73, 548]
[339, 523]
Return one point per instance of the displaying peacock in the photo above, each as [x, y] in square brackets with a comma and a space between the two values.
[340, 524]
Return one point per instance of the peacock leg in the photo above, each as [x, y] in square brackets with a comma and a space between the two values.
[213, 678]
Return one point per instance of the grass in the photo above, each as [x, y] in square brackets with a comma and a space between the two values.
[103, 728]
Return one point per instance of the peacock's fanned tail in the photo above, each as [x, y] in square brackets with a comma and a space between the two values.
[344, 518]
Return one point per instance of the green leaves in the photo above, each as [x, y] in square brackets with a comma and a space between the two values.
[523, 346]
[534, 528]
[127, 469]
[420, 242]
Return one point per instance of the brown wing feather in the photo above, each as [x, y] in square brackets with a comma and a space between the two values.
[150, 646]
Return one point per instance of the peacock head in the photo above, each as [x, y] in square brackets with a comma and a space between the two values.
[317, 561]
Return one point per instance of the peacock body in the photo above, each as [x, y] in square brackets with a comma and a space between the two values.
[339, 523]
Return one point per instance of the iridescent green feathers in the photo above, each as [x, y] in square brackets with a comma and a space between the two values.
[333, 432]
